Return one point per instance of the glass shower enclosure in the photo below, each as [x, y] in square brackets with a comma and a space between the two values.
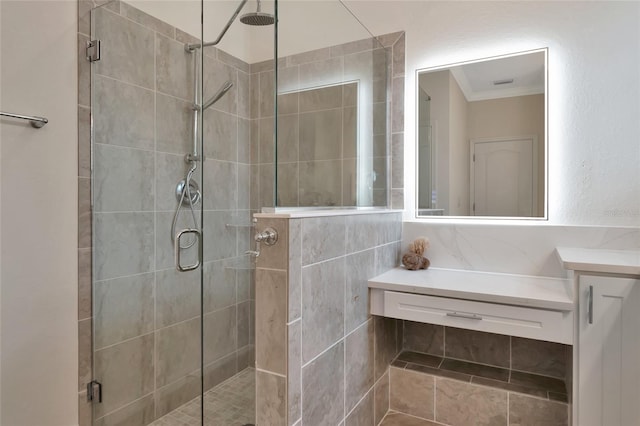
[189, 139]
[172, 289]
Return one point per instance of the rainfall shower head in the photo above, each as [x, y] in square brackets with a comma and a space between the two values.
[257, 18]
[219, 94]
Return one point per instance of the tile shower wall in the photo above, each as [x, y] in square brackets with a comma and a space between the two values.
[308, 173]
[146, 320]
[317, 131]
[321, 358]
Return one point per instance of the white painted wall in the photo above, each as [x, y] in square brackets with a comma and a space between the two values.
[594, 69]
[38, 215]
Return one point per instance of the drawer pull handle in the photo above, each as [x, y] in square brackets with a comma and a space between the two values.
[465, 316]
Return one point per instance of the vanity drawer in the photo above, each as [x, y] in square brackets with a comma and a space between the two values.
[540, 324]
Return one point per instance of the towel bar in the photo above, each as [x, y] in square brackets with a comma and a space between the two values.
[36, 122]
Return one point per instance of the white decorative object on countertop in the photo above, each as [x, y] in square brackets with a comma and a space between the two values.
[626, 262]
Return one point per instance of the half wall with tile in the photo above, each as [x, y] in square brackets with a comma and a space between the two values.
[320, 357]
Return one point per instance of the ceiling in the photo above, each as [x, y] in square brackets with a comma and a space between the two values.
[304, 25]
[522, 74]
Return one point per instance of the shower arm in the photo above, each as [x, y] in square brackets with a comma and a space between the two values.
[193, 46]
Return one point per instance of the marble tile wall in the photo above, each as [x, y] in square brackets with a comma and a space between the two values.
[512, 249]
[321, 179]
[145, 314]
[314, 313]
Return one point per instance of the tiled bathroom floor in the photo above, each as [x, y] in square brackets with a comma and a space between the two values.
[231, 403]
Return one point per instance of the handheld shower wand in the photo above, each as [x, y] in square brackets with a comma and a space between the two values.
[219, 94]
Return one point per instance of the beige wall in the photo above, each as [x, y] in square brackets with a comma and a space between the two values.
[512, 117]
[449, 121]
[458, 151]
[39, 215]
[436, 85]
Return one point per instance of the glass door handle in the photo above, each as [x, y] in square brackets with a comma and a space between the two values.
[178, 249]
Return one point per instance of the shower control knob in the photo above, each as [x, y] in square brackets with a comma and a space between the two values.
[269, 236]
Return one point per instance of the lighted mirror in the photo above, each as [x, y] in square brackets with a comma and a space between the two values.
[482, 140]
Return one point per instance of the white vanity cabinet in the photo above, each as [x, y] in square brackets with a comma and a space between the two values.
[608, 361]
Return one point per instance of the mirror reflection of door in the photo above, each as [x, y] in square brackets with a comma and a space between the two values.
[504, 177]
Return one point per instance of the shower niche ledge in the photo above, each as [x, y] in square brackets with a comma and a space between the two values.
[540, 308]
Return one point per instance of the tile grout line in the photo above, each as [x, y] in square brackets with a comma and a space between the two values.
[510, 354]
[435, 398]
[273, 373]
[300, 235]
[508, 407]
[370, 391]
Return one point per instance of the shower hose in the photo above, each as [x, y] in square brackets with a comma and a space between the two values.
[186, 189]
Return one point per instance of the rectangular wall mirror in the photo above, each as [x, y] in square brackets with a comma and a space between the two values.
[482, 138]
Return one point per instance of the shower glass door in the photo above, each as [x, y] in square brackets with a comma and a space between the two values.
[172, 320]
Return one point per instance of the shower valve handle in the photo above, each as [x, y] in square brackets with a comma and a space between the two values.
[269, 236]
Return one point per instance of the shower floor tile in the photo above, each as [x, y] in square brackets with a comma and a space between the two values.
[231, 403]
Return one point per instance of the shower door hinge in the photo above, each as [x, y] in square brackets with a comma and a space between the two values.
[94, 391]
[93, 50]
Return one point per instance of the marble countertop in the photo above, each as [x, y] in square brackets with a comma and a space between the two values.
[626, 262]
[519, 290]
